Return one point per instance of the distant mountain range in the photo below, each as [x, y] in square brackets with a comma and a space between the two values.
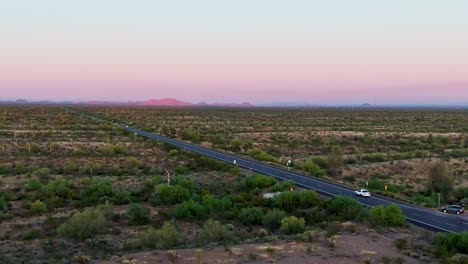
[150, 102]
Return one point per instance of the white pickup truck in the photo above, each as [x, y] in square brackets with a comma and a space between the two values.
[362, 193]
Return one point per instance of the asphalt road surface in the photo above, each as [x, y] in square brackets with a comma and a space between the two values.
[427, 218]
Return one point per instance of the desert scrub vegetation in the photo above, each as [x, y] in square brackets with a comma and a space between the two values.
[91, 188]
[351, 146]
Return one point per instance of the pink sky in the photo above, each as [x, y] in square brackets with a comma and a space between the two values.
[398, 53]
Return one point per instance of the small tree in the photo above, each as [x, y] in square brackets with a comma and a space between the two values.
[169, 235]
[292, 225]
[344, 207]
[251, 216]
[272, 219]
[214, 231]
[335, 162]
[308, 198]
[84, 225]
[38, 207]
[387, 216]
[440, 178]
[138, 214]
[312, 168]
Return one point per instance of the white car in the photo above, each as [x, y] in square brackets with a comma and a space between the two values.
[362, 193]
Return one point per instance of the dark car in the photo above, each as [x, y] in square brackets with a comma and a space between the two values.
[454, 209]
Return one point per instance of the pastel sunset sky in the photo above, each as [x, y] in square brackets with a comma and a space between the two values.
[321, 52]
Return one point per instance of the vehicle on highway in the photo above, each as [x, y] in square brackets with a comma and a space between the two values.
[362, 193]
[126, 126]
[453, 209]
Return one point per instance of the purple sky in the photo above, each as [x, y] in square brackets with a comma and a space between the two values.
[321, 52]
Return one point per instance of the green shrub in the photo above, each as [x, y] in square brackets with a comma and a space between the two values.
[312, 168]
[184, 181]
[344, 208]
[284, 186]
[138, 214]
[214, 231]
[70, 168]
[287, 201]
[102, 190]
[181, 169]
[3, 203]
[402, 243]
[214, 205]
[261, 155]
[387, 216]
[169, 194]
[308, 198]
[189, 210]
[31, 234]
[150, 238]
[251, 216]
[170, 236]
[260, 181]
[33, 184]
[59, 187]
[451, 243]
[292, 225]
[376, 184]
[83, 225]
[440, 178]
[38, 207]
[272, 218]
[132, 163]
[41, 173]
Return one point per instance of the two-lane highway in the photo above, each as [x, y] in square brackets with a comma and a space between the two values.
[420, 216]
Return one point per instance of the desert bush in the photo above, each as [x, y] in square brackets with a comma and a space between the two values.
[150, 238]
[189, 210]
[284, 186]
[132, 163]
[335, 161]
[387, 216]
[272, 218]
[451, 243]
[38, 207]
[184, 181]
[181, 169]
[190, 134]
[308, 198]
[214, 205]
[344, 208]
[402, 243]
[138, 214]
[440, 178]
[251, 216]
[41, 173]
[166, 237]
[169, 194]
[214, 231]
[260, 181]
[376, 184]
[169, 235]
[59, 187]
[102, 190]
[312, 168]
[287, 201]
[261, 155]
[33, 184]
[31, 234]
[83, 225]
[292, 225]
